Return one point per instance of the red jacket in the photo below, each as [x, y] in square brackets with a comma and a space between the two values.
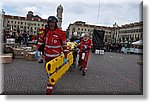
[87, 43]
[55, 43]
[41, 34]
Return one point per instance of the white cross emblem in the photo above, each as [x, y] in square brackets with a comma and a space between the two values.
[55, 41]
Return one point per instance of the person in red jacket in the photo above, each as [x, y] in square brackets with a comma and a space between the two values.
[40, 44]
[54, 41]
[85, 46]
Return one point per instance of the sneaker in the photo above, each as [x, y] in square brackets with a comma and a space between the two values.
[49, 90]
[83, 73]
[85, 70]
[80, 68]
[41, 61]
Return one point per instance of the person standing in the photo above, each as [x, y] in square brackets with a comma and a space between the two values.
[54, 41]
[76, 40]
[85, 46]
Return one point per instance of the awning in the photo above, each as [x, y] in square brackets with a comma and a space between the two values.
[140, 42]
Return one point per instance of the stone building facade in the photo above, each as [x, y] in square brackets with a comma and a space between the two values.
[116, 34]
[30, 24]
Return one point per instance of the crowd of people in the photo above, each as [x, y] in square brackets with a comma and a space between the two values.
[21, 38]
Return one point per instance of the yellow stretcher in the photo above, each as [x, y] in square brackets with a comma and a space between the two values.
[56, 68]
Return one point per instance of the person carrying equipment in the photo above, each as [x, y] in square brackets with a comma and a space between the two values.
[85, 46]
[75, 40]
[54, 44]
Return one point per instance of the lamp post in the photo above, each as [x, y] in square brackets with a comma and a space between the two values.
[2, 21]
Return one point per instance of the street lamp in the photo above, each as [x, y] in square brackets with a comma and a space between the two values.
[2, 21]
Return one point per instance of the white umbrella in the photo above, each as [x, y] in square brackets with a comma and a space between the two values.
[140, 42]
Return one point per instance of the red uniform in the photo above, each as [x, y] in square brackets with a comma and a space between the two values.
[33, 37]
[55, 43]
[41, 34]
[54, 40]
[88, 44]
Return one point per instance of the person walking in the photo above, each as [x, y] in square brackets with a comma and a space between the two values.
[54, 41]
[85, 46]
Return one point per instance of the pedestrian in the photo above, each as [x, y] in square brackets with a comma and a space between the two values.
[40, 45]
[80, 54]
[25, 38]
[54, 41]
[85, 46]
[76, 40]
[20, 38]
[74, 37]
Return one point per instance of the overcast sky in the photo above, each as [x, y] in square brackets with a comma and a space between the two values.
[110, 11]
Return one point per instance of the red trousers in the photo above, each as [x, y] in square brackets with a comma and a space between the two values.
[49, 87]
[84, 62]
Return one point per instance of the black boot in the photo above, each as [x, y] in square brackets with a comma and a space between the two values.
[83, 73]
[80, 68]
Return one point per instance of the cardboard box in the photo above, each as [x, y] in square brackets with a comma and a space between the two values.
[140, 62]
[6, 58]
[18, 52]
[99, 52]
[34, 47]
[10, 40]
[15, 45]
[27, 48]
[30, 56]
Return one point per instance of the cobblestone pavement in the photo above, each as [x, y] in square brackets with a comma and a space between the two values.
[108, 74]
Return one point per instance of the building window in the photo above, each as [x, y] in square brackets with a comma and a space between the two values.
[82, 29]
[15, 22]
[136, 30]
[21, 22]
[140, 30]
[35, 28]
[25, 23]
[85, 30]
[38, 24]
[11, 21]
[78, 28]
[141, 36]
[18, 22]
